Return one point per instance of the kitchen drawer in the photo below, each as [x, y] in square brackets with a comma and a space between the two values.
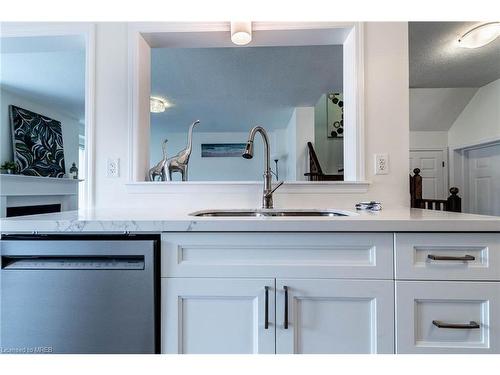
[422, 305]
[318, 255]
[467, 256]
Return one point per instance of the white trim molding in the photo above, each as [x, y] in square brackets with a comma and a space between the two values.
[143, 36]
[354, 86]
[245, 187]
[458, 163]
[17, 184]
[87, 30]
[19, 190]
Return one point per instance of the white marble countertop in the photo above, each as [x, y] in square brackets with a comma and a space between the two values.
[135, 221]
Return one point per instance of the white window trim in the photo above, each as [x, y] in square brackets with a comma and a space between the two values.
[139, 91]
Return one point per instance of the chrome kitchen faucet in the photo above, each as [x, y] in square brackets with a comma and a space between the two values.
[267, 193]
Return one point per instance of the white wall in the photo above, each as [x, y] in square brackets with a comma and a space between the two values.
[213, 168]
[291, 141]
[304, 133]
[386, 128]
[480, 119]
[299, 131]
[386, 109]
[69, 126]
[111, 112]
[428, 140]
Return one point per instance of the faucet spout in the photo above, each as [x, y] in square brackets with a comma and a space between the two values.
[267, 194]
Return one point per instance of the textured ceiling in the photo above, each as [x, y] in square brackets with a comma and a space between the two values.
[437, 61]
[48, 70]
[232, 89]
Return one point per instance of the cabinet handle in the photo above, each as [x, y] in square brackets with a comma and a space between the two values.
[443, 257]
[285, 322]
[266, 311]
[470, 325]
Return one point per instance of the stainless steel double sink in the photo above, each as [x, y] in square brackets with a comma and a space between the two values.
[272, 213]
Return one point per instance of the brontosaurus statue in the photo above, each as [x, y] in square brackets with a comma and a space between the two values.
[179, 162]
[159, 169]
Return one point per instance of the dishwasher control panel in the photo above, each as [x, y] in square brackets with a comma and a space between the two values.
[73, 263]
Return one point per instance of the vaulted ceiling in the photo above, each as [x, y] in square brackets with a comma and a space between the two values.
[437, 109]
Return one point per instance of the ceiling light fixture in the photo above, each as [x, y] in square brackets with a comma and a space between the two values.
[480, 35]
[241, 32]
[158, 105]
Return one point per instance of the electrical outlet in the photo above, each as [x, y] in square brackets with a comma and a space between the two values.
[113, 168]
[381, 164]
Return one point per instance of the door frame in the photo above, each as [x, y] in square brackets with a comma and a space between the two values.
[446, 172]
[458, 167]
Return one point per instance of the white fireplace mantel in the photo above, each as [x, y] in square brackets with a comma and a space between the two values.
[19, 190]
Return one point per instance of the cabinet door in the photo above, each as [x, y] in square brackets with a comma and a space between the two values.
[224, 316]
[334, 316]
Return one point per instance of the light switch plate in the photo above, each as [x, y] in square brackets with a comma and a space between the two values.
[381, 163]
[113, 168]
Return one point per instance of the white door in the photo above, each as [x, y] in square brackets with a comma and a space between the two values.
[218, 316]
[334, 316]
[432, 169]
[484, 180]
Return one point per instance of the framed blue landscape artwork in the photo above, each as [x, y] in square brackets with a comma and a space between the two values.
[37, 143]
[221, 150]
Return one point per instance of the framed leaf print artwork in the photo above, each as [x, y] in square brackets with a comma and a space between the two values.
[37, 143]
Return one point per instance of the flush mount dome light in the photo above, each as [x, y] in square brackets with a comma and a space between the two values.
[480, 35]
[241, 32]
[158, 105]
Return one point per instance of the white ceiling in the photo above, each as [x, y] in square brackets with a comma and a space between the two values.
[437, 61]
[232, 89]
[437, 109]
[49, 70]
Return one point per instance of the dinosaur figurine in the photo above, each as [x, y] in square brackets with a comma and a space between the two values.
[159, 169]
[179, 162]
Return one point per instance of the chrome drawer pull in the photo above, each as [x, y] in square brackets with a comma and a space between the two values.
[266, 311]
[285, 320]
[470, 325]
[465, 258]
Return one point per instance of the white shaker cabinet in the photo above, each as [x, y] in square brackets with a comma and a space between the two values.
[218, 316]
[447, 292]
[340, 295]
[334, 316]
[448, 317]
[229, 316]
[330, 293]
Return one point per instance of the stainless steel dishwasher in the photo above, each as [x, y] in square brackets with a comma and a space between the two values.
[79, 294]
